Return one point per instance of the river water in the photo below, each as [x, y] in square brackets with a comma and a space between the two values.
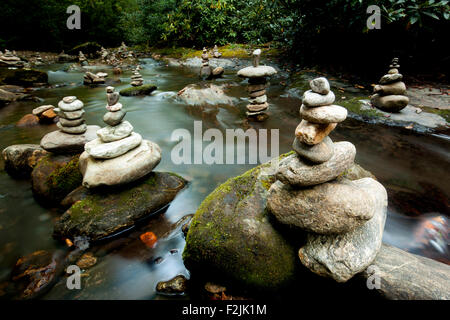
[413, 167]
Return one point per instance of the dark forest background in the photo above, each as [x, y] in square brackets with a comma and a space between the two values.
[314, 32]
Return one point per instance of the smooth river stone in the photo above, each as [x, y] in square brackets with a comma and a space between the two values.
[256, 87]
[320, 85]
[317, 153]
[61, 142]
[393, 71]
[255, 94]
[114, 118]
[312, 99]
[333, 207]
[257, 107]
[325, 114]
[71, 123]
[313, 133]
[389, 78]
[297, 172]
[69, 115]
[100, 150]
[342, 256]
[114, 108]
[72, 130]
[112, 98]
[397, 88]
[69, 107]
[256, 72]
[40, 110]
[114, 133]
[124, 169]
[258, 100]
[392, 103]
[69, 99]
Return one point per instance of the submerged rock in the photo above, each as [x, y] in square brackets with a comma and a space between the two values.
[54, 177]
[28, 120]
[405, 276]
[177, 285]
[109, 211]
[143, 90]
[342, 256]
[20, 159]
[207, 94]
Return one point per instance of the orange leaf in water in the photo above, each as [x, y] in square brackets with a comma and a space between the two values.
[149, 238]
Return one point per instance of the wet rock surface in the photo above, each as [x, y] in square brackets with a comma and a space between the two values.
[177, 285]
[20, 159]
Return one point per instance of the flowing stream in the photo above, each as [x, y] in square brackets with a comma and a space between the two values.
[413, 168]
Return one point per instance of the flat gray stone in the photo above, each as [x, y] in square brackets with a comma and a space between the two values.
[258, 100]
[71, 123]
[60, 142]
[391, 103]
[69, 115]
[100, 150]
[325, 114]
[72, 130]
[40, 110]
[389, 78]
[342, 256]
[129, 167]
[317, 153]
[397, 88]
[257, 72]
[312, 99]
[114, 108]
[69, 107]
[333, 207]
[115, 133]
[295, 172]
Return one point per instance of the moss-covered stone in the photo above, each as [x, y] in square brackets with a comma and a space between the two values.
[105, 212]
[143, 90]
[233, 236]
[54, 177]
[22, 77]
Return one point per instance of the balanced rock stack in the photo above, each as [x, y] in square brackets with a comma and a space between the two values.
[216, 53]
[257, 79]
[118, 155]
[104, 54]
[205, 71]
[93, 79]
[390, 94]
[73, 132]
[343, 219]
[82, 59]
[9, 59]
[136, 78]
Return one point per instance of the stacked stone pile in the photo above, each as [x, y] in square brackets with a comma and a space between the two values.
[257, 76]
[216, 53]
[93, 79]
[343, 219]
[118, 155]
[136, 78]
[82, 59]
[390, 94]
[73, 132]
[9, 59]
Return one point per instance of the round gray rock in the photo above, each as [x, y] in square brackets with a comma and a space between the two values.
[115, 133]
[312, 99]
[317, 153]
[325, 114]
[100, 150]
[257, 72]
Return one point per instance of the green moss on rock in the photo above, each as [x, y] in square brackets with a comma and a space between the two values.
[143, 90]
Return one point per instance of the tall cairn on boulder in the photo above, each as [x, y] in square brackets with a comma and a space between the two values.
[343, 219]
[257, 84]
[136, 78]
[119, 155]
[73, 132]
[390, 94]
[9, 59]
[205, 71]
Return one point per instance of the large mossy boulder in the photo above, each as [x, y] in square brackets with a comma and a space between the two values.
[143, 90]
[234, 236]
[20, 159]
[99, 213]
[22, 77]
[54, 177]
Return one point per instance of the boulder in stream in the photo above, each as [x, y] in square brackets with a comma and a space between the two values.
[20, 159]
[143, 90]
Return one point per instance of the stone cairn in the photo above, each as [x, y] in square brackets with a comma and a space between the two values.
[118, 155]
[73, 132]
[94, 79]
[82, 59]
[216, 53]
[136, 78]
[257, 84]
[205, 71]
[104, 54]
[9, 59]
[390, 94]
[343, 219]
